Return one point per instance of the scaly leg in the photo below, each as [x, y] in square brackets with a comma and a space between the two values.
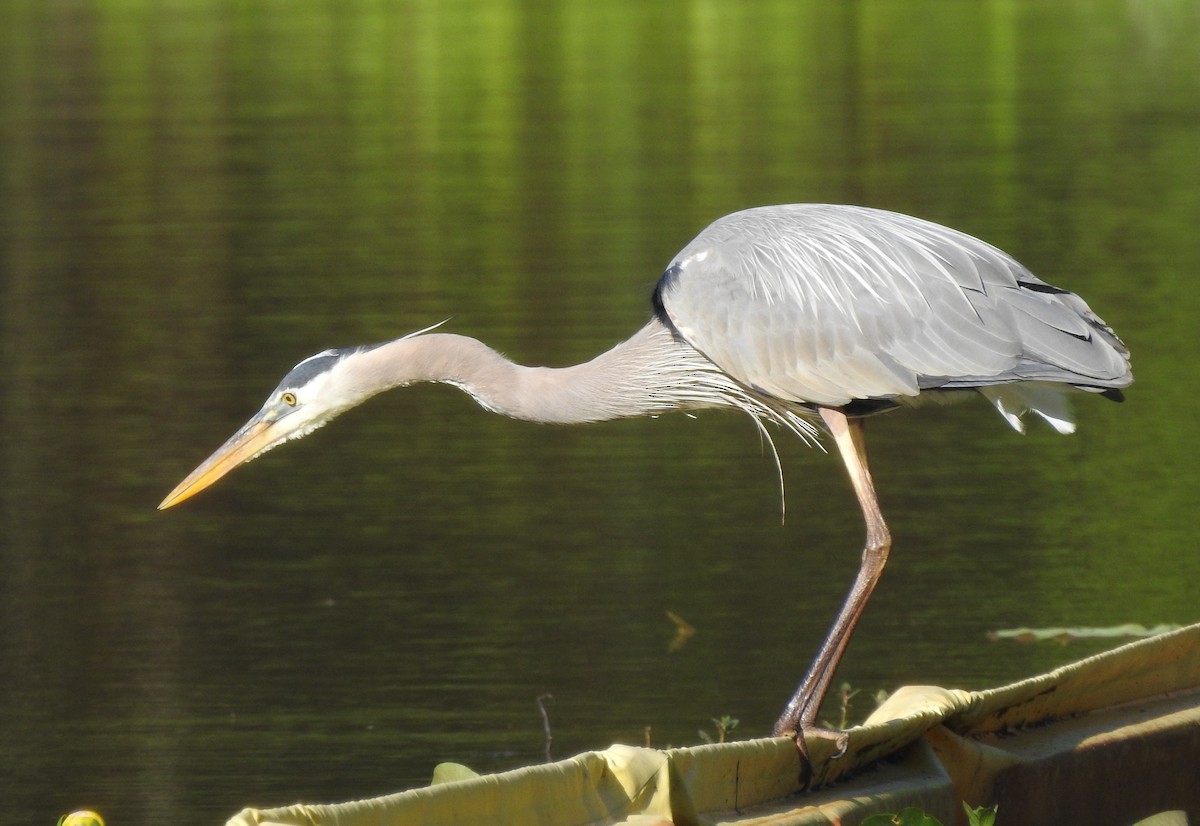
[801, 713]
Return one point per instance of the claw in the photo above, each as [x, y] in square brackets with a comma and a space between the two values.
[840, 739]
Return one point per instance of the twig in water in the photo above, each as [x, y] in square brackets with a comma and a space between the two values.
[683, 632]
[546, 723]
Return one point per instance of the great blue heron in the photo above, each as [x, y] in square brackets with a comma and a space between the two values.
[799, 315]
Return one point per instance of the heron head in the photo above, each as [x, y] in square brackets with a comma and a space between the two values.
[312, 393]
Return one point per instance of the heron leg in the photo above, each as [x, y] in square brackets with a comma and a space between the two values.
[800, 714]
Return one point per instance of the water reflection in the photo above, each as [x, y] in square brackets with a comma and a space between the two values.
[192, 203]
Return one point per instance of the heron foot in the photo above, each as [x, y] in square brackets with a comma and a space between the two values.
[841, 739]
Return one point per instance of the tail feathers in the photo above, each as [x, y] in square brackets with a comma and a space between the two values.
[1046, 400]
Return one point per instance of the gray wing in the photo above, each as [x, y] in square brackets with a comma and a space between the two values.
[825, 305]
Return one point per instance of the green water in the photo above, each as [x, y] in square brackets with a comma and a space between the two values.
[194, 196]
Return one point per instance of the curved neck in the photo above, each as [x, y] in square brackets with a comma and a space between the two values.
[651, 372]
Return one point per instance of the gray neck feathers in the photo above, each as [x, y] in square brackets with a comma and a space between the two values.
[650, 373]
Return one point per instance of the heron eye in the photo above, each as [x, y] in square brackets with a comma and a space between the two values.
[289, 399]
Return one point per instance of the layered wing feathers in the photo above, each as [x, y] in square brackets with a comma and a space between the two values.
[825, 305]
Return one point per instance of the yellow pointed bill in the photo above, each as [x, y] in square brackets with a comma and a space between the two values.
[243, 446]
